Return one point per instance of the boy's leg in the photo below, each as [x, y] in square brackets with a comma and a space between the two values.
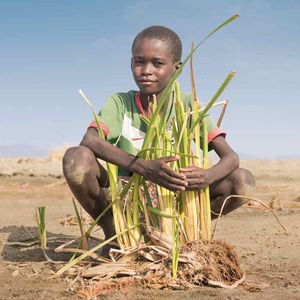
[86, 177]
[239, 182]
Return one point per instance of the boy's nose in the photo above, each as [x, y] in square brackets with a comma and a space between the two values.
[147, 69]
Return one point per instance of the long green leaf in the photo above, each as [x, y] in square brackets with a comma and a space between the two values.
[83, 235]
[41, 223]
[160, 213]
[212, 101]
[94, 113]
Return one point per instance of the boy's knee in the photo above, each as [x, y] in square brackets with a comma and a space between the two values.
[243, 182]
[77, 162]
[242, 176]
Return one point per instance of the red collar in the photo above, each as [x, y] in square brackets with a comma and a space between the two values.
[139, 103]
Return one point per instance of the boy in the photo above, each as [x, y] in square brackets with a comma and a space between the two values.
[156, 54]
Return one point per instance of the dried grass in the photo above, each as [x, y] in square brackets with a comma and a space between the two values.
[57, 153]
[201, 263]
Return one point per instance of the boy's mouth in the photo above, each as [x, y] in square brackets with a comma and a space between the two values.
[146, 82]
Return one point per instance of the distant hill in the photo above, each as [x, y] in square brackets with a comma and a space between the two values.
[19, 150]
[288, 157]
[245, 156]
[22, 151]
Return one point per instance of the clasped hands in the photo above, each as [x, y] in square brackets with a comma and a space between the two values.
[188, 178]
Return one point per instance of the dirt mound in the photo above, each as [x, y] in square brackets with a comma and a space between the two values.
[213, 261]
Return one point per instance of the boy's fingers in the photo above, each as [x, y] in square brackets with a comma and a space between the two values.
[192, 175]
[194, 181]
[174, 184]
[174, 174]
[176, 181]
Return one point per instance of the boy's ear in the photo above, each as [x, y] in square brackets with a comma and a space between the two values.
[177, 65]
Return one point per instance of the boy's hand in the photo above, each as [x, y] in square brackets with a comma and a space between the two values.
[157, 171]
[196, 177]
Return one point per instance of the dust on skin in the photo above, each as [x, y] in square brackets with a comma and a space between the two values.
[77, 175]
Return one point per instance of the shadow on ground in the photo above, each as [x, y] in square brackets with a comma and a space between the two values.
[26, 252]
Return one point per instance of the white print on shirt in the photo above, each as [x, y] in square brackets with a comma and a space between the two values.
[134, 135]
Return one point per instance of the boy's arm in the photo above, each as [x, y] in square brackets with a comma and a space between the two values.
[199, 178]
[156, 171]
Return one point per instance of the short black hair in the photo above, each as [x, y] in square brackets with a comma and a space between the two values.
[163, 34]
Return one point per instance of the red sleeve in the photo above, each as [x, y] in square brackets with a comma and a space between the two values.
[103, 127]
[214, 133]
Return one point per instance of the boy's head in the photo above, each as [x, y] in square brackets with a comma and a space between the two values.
[165, 35]
[156, 54]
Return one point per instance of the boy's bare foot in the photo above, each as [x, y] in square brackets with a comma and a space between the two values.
[106, 248]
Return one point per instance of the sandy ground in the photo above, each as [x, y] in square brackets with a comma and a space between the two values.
[270, 258]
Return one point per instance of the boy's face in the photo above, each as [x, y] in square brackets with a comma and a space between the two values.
[152, 66]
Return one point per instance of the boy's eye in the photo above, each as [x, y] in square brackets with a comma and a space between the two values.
[138, 61]
[157, 63]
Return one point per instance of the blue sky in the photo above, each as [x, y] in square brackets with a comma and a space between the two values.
[50, 49]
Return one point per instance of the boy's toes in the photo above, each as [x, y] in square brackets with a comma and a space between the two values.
[105, 250]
